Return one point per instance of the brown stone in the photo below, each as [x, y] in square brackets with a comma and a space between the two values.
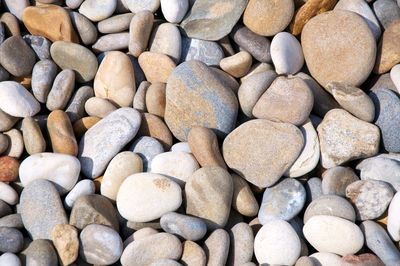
[366, 259]
[61, 133]
[83, 124]
[11, 24]
[8, 169]
[389, 49]
[243, 198]
[155, 99]
[32, 135]
[65, 240]
[50, 21]
[154, 127]
[156, 67]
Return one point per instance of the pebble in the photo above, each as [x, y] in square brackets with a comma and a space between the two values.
[386, 11]
[387, 104]
[244, 147]
[192, 254]
[144, 197]
[243, 199]
[40, 252]
[114, 132]
[286, 53]
[8, 168]
[151, 249]
[370, 198]
[181, 147]
[140, 234]
[277, 243]
[136, 6]
[395, 76]
[12, 220]
[241, 244]
[336, 179]
[115, 79]
[212, 20]
[185, 87]
[214, 208]
[139, 32]
[344, 236]
[40, 45]
[177, 166]
[11, 240]
[147, 148]
[4, 142]
[4, 208]
[73, 4]
[166, 39]
[115, 24]
[16, 7]
[329, 57]
[76, 57]
[184, 226]
[325, 258]
[61, 133]
[16, 147]
[66, 242]
[8, 194]
[93, 209]
[99, 107]
[82, 125]
[388, 51]
[34, 141]
[96, 11]
[51, 22]
[344, 137]
[11, 24]
[366, 259]
[237, 65]
[100, 244]
[393, 223]
[156, 128]
[86, 29]
[139, 100]
[120, 167]
[41, 196]
[43, 75]
[332, 205]
[76, 107]
[155, 99]
[175, 10]
[110, 42]
[208, 52]
[6, 121]
[10, 259]
[156, 67]
[83, 187]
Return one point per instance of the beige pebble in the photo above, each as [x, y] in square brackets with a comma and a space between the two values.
[156, 67]
[155, 99]
[243, 198]
[154, 127]
[139, 32]
[237, 65]
[99, 107]
[16, 147]
[32, 135]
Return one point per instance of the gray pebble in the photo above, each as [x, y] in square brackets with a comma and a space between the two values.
[147, 148]
[86, 30]
[111, 42]
[241, 244]
[387, 11]
[187, 227]
[382, 82]
[12, 220]
[9, 259]
[76, 106]
[5, 209]
[6, 121]
[40, 45]
[40, 252]
[115, 24]
[336, 179]
[43, 75]
[210, 53]
[11, 240]
[61, 91]
[4, 75]
[330, 205]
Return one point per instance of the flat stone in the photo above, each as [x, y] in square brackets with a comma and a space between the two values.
[332, 205]
[336, 179]
[83, 187]
[65, 240]
[365, 259]
[286, 54]
[86, 29]
[387, 12]
[135, 6]
[8, 169]
[192, 254]
[393, 222]
[61, 91]
[156, 67]
[8, 194]
[175, 10]
[212, 20]
[147, 148]
[41, 196]
[139, 32]
[40, 45]
[216, 247]
[115, 24]
[214, 208]
[43, 75]
[388, 50]
[111, 42]
[115, 130]
[208, 52]
[99, 107]
[76, 107]
[11, 240]
[184, 226]
[241, 244]
[144, 197]
[96, 11]
[10, 259]
[325, 40]
[166, 39]
[40, 252]
[241, 150]
[344, 138]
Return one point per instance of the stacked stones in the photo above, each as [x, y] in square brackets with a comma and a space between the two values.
[201, 132]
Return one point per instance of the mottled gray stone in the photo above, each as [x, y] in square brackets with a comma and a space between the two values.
[332, 205]
[187, 227]
[76, 107]
[12, 220]
[43, 75]
[61, 91]
[208, 52]
[40, 45]
[40, 252]
[387, 11]
[147, 148]
[86, 30]
[111, 42]
[11, 240]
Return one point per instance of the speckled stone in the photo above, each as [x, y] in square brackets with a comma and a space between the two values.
[330, 205]
[208, 52]
[216, 247]
[8, 168]
[66, 242]
[43, 75]
[336, 179]
[39, 44]
[184, 226]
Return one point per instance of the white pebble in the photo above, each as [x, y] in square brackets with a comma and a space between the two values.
[8, 194]
[174, 10]
[286, 53]
[84, 187]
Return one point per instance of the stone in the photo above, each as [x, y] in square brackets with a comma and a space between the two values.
[61, 133]
[11, 240]
[139, 32]
[165, 262]
[61, 169]
[49, 21]
[76, 107]
[286, 53]
[258, 46]
[287, 100]
[155, 99]
[144, 197]
[16, 7]
[115, 24]
[366, 259]
[189, 91]
[325, 258]
[277, 243]
[4, 142]
[181, 147]
[16, 147]
[242, 147]
[237, 65]
[387, 106]
[76, 57]
[86, 29]
[10, 259]
[120, 167]
[241, 244]
[105, 139]
[65, 240]
[388, 52]
[147, 148]
[7, 121]
[208, 52]
[40, 252]
[192, 254]
[83, 187]
[378, 241]
[43, 75]
[8, 169]
[382, 82]
[344, 236]
[111, 42]
[336, 179]
[369, 197]
[115, 79]
[212, 20]
[156, 128]
[177, 166]
[96, 11]
[140, 234]
[329, 57]
[243, 199]
[8, 194]
[344, 137]
[93, 209]
[4, 208]
[135, 6]
[156, 67]
[139, 100]
[214, 208]
[82, 125]
[4, 75]
[40, 45]
[166, 39]
[11, 24]
[100, 244]
[216, 247]
[332, 205]
[395, 76]
[393, 222]
[175, 10]
[61, 90]
[386, 11]
[41, 196]
[99, 107]
[184, 226]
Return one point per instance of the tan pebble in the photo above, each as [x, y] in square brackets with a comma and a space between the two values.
[65, 240]
[238, 65]
[243, 198]
[155, 99]
[156, 67]
[389, 49]
[154, 127]
[8, 169]
[193, 254]
[61, 133]
[99, 107]
[83, 124]
[16, 147]
[139, 32]
[32, 135]
[11, 24]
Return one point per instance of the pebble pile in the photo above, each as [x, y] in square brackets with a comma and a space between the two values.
[200, 132]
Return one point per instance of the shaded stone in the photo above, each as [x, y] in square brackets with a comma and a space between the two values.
[386, 11]
[115, 24]
[388, 54]
[43, 75]
[192, 254]
[40, 252]
[241, 244]
[61, 133]
[216, 247]
[61, 91]
[96, 11]
[86, 30]
[208, 52]
[139, 32]
[187, 227]
[76, 107]
[330, 205]
[111, 42]
[40, 45]
[166, 39]
[336, 179]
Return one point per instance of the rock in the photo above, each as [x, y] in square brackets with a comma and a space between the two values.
[139, 32]
[344, 138]
[154, 127]
[382, 82]
[344, 236]
[61, 133]
[184, 226]
[11, 24]
[16, 100]
[192, 254]
[4, 142]
[16, 7]
[366, 259]
[388, 52]
[395, 76]
[115, 130]
[144, 197]
[93, 209]
[76, 106]
[115, 24]
[165, 262]
[99, 107]
[330, 205]
[49, 21]
[286, 54]
[40, 45]
[61, 169]
[325, 258]
[147, 148]
[96, 11]
[387, 12]
[12, 220]
[277, 243]
[175, 10]
[178, 166]
[86, 30]
[41, 196]
[8, 169]
[8, 194]
[100, 244]
[156, 67]
[185, 89]
[377, 240]
[216, 247]
[237, 65]
[66, 242]
[43, 75]
[111, 42]
[370, 198]
[11, 240]
[210, 53]
[140, 234]
[325, 40]
[155, 99]
[166, 39]
[10, 259]
[83, 187]
[135, 6]
[241, 244]
[151, 249]
[4, 208]
[214, 208]
[83, 124]
[393, 222]
[387, 106]
[336, 179]
[40, 252]
[212, 20]
[76, 57]
[16, 146]
[243, 199]
[241, 150]
[139, 100]
[181, 147]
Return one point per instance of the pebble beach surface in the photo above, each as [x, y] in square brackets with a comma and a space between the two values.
[200, 132]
